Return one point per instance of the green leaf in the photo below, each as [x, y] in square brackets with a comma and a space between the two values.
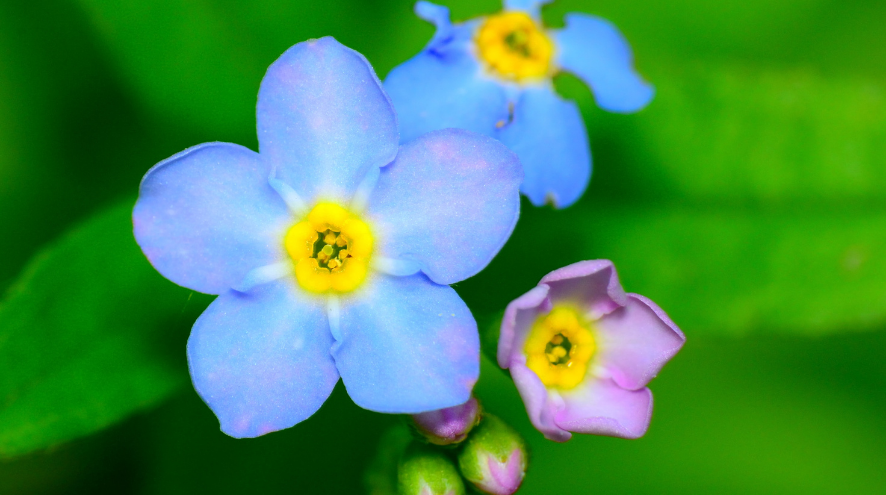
[837, 37]
[185, 452]
[200, 62]
[769, 415]
[740, 201]
[89, 334]
[732, 134]
[716, 271]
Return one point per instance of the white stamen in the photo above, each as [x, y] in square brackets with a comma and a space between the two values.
[364, 190]
[263, 275]
[290, 197]
[395, 267]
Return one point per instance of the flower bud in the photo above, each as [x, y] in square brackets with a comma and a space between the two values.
[424, 470]
[494, 457]
[448, 426]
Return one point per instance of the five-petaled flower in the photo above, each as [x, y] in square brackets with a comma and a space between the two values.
[581, 352]
[492, 75]
[331, 249]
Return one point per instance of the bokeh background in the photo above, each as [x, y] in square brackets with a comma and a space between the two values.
[748, 200]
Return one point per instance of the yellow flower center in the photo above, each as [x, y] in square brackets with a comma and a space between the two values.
[514, 46]
[559, 348]
[330, 248]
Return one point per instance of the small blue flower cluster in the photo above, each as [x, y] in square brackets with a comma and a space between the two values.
[332, 249]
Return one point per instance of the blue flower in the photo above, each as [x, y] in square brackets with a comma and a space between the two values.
[492, 75]
[331, 249]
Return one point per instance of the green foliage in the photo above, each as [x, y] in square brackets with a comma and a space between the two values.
[381, 476]
[492, 441]
[201, 62]
[185, 453]
[742, 201]
[746, 200]
[730, 134]
[83, 337]
[428, 470]
[781, 415]
[724, 271]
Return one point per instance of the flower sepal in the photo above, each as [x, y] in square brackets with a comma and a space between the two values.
[494, 457]
[424, 470]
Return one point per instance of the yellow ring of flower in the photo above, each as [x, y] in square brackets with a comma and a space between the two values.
[514, 46]
[346, 242]
[559, 348]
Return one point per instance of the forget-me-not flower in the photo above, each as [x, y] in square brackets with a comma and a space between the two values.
[331, 249]
[581, 352]
[492, 75]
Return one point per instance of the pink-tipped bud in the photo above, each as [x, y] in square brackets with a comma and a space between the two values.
[494, 457]
[448, 426]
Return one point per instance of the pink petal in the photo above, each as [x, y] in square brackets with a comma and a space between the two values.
[636, 341]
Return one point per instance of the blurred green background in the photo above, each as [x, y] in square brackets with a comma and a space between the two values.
[748, 200]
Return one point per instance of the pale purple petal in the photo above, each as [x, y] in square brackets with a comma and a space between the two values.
[593, 285]
[636, 341]
[518, 318]
[541, 406]
[601, 407]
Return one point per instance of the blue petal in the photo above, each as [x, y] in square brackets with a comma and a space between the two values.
[207, 216]
[531, 7]
[444, 86]
[437, 15]
[261, 360]
[323, 120]
[549, 136]
[594, 50]
[449, 202]
[407, 346]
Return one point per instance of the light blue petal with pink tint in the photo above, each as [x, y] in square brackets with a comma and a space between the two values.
[206, 217]
[407, 345]
[261, 360]
[549, 136]
[449, 202]
[594, 50]
[438, 15]
[444, 86]
[324, 121]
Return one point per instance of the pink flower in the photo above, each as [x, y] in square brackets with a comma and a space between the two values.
[581, 352]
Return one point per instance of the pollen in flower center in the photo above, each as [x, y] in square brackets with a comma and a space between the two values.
[330, 248]
[559, 348]
[514, 46]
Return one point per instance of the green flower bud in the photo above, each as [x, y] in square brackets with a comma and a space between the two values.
[494, 457]
[425, 470]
